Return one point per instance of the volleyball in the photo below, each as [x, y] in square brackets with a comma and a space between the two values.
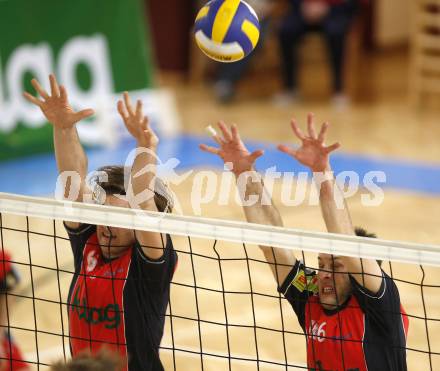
[227, 30]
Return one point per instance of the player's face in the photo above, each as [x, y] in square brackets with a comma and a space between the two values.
[114, 241]
[333, 281]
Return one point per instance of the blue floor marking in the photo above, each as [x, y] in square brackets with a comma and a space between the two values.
[37, 175]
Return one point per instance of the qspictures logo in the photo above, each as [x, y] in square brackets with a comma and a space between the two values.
[213, 187]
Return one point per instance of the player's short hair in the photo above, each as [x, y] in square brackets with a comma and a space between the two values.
[361, 232]
[116, 184]
[104, 360]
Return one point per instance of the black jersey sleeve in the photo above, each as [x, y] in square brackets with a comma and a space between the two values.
[383, 308]
[300, 284]
[156, 273]
[78, 238]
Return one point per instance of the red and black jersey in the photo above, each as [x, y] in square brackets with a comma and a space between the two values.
[10, 352]
[367, 332]
[120, 303]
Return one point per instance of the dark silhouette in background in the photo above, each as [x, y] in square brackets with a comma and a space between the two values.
[331, 18]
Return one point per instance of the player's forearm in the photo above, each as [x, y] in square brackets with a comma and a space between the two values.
[280, 260]
[333, 205]
[70, 156]
[143, 183]
[337, 219]
[143, 173]
[257, 212]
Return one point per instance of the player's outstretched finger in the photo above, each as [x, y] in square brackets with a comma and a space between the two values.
[54, 89]
[122, 111]
[128, 105]
[213, 133]
[213, 150]
[235, 133]
[256, 154]
[63, 93]
[219, 140]
[39, 89]
[287, 150]
[225, 131]
[146, 123]
[81, 115]
[324, 128]
[32, 99]
[139, 111]
[299, 134]
[333, 147]
[311, 126]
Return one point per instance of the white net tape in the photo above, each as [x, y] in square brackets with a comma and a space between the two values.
[215, 229]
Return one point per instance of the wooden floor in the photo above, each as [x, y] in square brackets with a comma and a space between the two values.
[382, 124]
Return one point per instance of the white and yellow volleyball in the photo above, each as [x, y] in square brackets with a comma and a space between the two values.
[227, 30]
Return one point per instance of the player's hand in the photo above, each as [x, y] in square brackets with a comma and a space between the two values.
[56, 106]
[313, 153]
[232, 149]
[136, 123]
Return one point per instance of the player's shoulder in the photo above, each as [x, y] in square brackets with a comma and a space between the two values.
[79, 238]
[71, 225]
[73, 229]
[300, 280]
[169, 255]
[305, 280]
[387, 289]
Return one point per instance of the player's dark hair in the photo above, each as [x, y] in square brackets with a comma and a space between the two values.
[104, 360]
[116, 184]
[361, 232]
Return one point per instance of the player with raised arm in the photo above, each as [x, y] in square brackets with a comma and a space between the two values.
[350, 310]
[120, 290]
[233, 151]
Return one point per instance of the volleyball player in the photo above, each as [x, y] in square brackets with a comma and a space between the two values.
[120, 290]
[350, 310]
[10, 354]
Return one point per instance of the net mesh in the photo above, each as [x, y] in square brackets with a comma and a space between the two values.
[224, 311]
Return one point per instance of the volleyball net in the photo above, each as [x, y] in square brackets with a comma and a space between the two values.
[224, 311]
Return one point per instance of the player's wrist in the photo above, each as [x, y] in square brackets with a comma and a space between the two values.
[140, 143]
[323, 176]
[321, 168]
[62, 129]
[239, 171]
